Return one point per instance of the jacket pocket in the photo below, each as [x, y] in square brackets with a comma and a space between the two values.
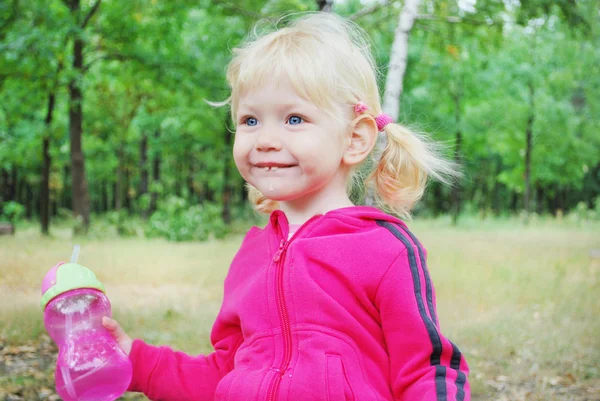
[338, 387]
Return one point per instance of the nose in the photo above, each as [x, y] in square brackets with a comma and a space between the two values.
[268, 139]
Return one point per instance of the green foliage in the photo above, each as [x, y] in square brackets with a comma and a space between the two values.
[125, 225]
[12, 212]
[143, 202]
[176, 220]
[583, 213]
[480, 71]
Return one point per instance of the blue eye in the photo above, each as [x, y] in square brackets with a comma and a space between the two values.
[295, 120]
[251, 121]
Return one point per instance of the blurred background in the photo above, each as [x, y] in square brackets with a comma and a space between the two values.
[107, 139]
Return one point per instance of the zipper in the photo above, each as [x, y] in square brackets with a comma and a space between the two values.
[286, 329]
[282, 248]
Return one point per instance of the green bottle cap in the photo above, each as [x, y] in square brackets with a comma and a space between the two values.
[66, 277]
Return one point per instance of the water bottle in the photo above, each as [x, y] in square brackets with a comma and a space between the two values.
[90, 365]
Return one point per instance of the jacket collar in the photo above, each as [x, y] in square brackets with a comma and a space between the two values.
[278, 221]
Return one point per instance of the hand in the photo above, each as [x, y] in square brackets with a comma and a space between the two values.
[123, 340]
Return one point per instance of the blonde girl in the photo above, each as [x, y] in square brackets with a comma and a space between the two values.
[329, 301]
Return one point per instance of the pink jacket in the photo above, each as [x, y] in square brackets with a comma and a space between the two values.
[344, 310]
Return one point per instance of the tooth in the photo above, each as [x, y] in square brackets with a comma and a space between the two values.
[267, 168]
[274, 168]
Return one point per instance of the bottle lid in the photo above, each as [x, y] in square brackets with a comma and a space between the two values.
[66, 277]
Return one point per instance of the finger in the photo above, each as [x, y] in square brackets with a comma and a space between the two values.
[108, 323]
[112, 326]
[117, 333]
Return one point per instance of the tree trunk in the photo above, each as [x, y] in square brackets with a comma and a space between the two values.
[438, 199]
[47, 163]
[10, 184]
[45, 187]
[45, 202]
[155, 172]
[514, 201]
[486, 199]
[528, 150]
[325, 5]
[395, 75]
[127, 199]
[119, 183]
[18, 183]
[398, 59]
[496, 202]
[66, 200]
[540, 204]
[144, 170]
[4, 186]
[190, 179]
[28, 200]
[104, 195]
[13, 194]
[15, 184]
[80, 195]
[562, 204]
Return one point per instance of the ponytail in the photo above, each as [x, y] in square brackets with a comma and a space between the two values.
[259, 202]
[400, 177]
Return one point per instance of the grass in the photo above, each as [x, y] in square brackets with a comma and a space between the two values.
[522, 302]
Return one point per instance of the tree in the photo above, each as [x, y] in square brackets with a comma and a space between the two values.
[79, 188]
[325, 5]
[471, 80]
[395, 74]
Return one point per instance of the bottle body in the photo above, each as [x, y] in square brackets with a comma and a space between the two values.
[90, 365]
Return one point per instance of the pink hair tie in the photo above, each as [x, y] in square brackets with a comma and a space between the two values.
[382, 120]
[360, 107]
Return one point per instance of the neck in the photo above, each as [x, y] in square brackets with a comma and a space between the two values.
[321, 201]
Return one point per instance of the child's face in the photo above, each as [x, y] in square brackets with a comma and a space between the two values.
[287, 147]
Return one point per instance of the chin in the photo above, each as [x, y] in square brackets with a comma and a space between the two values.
[279, 196]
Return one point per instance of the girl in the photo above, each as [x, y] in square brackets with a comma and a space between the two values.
[329, 301]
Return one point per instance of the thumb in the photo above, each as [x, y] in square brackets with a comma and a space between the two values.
[118, 334]
[112, 326]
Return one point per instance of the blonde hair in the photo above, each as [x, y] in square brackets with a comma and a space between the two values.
[327, 60]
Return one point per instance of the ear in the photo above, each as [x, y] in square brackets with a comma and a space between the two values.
[363, 137]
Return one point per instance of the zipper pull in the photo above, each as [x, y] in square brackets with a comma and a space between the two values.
[282, 246]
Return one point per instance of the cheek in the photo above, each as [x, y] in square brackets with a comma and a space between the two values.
[240, 157]
[325, 154]
[239, 150]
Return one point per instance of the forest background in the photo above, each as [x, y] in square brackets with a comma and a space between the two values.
[104, 109]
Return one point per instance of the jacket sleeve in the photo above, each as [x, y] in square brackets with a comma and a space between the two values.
[424, 365]
[163, 374]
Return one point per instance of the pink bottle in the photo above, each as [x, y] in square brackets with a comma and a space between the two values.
[90, 365]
